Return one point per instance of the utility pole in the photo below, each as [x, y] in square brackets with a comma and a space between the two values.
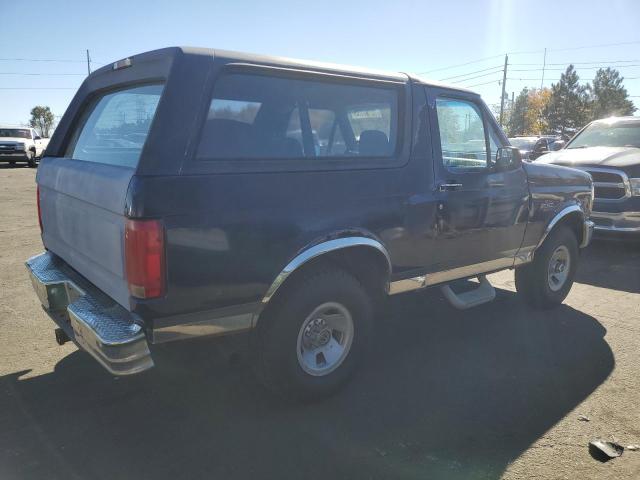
[504, 85]
[544, 65]
[88, 63]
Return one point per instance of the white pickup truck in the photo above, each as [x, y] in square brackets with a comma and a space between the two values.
[21, 144]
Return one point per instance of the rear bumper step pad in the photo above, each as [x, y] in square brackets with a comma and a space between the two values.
[98, 325]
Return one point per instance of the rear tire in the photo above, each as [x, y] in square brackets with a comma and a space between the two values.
[311, 339]
[546, 282]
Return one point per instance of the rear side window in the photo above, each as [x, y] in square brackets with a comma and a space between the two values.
[115, 126]
[260, 117]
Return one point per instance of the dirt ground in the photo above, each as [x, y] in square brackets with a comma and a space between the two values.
[493, 392]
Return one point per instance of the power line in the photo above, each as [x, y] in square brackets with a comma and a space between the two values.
[635, 42]
[40, 60]
[471, 73]
[602, 62]
[462, 64]
[527, 52]
[583, 79]
[495, 80]
[38, 88]
[531, 52]
[563, 69]
[41, 74]
[477, 76]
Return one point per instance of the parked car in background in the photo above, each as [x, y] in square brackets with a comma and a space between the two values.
[21, 144]
[533, 147]
[290, 203]
[609, 149]
[557, 143]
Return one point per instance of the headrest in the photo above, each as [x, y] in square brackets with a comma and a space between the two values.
[373, 143]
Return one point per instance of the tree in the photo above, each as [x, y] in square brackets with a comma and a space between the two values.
[450, 127]
[42, 120]
[526, 114]
[536, 102]
[608, 95]
[568, 107]
[517, 115]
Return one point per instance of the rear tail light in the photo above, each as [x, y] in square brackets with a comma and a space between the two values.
[39, 211]
[145, 258]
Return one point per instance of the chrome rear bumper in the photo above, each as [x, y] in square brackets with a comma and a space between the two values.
[98, 325]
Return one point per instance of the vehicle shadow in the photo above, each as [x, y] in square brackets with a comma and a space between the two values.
[7, 165]
[611, 264]
[447, 394]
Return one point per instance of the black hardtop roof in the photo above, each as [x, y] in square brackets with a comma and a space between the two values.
[228, 56]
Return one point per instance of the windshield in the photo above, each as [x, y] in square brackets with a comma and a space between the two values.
[522, 143]
[15, 132]
[606, 135]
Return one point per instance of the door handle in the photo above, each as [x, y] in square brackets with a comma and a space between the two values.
[443, 187]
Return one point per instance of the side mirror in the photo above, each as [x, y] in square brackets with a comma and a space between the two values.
[37, 137]
[508, 158]
[541, 148]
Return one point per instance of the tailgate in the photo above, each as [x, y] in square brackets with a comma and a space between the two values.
[82, 207]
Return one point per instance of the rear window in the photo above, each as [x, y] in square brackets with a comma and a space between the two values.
[260, 117]
[115, 126]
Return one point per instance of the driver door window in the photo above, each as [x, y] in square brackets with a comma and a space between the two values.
[462, 135]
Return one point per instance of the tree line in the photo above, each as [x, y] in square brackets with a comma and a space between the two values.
[568, 105]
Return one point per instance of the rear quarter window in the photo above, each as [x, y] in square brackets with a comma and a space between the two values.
[260, 117]
[114, 127]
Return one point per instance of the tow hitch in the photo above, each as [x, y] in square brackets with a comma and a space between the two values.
[61, 336]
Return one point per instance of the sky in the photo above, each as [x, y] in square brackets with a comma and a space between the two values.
[427, 37]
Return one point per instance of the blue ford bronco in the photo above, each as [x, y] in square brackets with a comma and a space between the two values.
[196, 192]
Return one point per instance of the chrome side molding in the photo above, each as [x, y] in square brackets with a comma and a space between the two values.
[467, 271]
[407, 284]
[222, 321]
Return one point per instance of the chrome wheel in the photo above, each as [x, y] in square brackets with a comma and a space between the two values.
[325, 339]
[558, 270]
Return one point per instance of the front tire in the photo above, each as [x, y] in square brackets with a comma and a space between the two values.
[546, 282]
[31, 160]
[311, 339]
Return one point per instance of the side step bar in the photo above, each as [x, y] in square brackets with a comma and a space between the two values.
[482, 294]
